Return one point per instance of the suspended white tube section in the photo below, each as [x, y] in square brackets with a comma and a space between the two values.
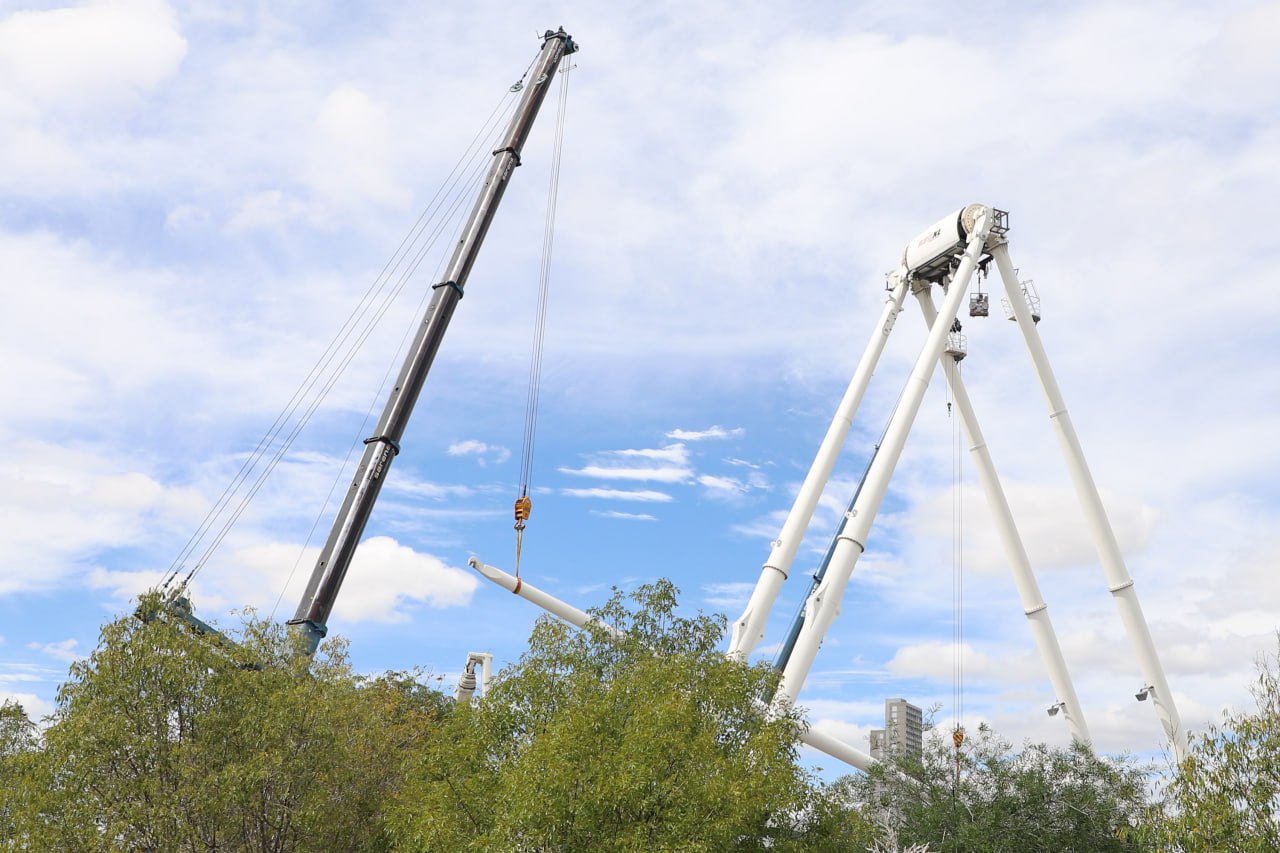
[545, 600]
[748, 630]
[823, 604]
[1119, 582]
[836, 748]
[1033, 604]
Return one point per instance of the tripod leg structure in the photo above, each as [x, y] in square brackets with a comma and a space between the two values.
[748, 631]
[1033, 604]
[823, 604]
[1119, 582]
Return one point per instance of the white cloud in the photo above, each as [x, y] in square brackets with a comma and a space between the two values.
[618, 465]
[677, 453]
[385, 582]
[731, 488]
[627, 516]
[63, 650]
[60, 505]
[89, 56]
[657, 475]
[35, 706]
[734, 594]
[350, 156]
[266, 209]
[702, 435]
[484, 453]
[619, 495]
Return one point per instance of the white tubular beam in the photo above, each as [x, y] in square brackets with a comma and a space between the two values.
[546, 601]
[748, 631]
[837, 748]
[1033, 604]
[1104, 539]
[823, 604]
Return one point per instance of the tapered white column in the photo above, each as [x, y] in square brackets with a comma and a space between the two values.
[548, 602]
[1033, 604]
[1119, 582]
[748, 630]
[823, 604]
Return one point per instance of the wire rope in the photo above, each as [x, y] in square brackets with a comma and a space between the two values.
[953, 368]
[343, 347]
[523, 504]
[316, 401]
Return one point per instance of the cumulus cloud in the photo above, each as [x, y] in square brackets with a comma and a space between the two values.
[702, 435]
[90, 55]
[350, 160]
[483, 453]
[63, 650]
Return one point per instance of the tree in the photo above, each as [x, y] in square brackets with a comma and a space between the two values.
[166, 740]
[652, 741]
[986, 796]
[18, 741]
[1226, 794]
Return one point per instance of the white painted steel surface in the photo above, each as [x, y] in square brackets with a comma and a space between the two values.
[837, 748]
[823, 604]
[1033, 604]
[1119, 582]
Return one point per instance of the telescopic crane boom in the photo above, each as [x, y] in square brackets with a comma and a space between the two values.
[382, 447]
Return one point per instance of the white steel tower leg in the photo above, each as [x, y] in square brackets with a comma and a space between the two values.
[1104, 538]
[1033, 604]
[823, 604]
[748, 631]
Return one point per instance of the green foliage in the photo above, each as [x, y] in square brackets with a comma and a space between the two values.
[652, 741]
[985, 796]
[1226, 794]
[18, 744]
[164, 740]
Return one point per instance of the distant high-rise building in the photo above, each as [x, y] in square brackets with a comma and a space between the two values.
[903, 730]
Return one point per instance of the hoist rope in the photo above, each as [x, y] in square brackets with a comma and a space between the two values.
[524, 505]
[952, 366]
[343, 347]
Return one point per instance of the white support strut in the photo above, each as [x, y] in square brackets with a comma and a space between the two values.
[1104, 538]
[748, 630]
[823, 604]
[1033, 604]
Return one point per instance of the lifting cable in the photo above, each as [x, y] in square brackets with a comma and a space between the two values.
[952, 366]
[341, 350]
[523, 503]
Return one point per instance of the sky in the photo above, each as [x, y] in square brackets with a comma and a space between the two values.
[194, 196]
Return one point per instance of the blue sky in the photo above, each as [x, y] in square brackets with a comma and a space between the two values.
[195, 195]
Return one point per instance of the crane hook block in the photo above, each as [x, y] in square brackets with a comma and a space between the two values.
[957, 737]
[524, 506]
